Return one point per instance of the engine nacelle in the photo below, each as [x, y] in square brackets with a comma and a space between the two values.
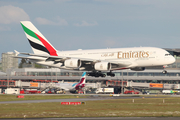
[72, 63]
[102, 66]
[138, 68]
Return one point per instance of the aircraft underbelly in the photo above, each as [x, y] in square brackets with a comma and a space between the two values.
[145, 62]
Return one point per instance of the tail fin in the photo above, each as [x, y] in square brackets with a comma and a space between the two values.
[83, 78]
[39, 44]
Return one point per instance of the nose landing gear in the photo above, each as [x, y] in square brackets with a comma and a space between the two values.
[164, 71]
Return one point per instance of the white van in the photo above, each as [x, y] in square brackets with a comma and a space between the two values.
[12, 91]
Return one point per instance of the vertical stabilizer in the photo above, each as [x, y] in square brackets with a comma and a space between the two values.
[83, 78]
[82, 81]
[39, 44]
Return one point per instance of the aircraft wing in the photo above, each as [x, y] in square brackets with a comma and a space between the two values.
[56, 58]
[44, 56]
[115, 64]
[30, 58]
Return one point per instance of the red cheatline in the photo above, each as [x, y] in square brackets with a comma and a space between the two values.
[51, 50]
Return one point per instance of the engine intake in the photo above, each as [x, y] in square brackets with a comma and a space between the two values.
[102, 66]
[72, 63]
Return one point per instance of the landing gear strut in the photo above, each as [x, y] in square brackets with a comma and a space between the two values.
[110, 74]
[96, 74]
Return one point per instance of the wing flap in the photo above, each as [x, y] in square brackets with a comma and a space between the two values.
[29, 58]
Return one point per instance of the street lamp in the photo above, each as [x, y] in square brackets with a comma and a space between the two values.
[122, 85]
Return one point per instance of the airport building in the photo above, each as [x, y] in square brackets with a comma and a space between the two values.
[139, 80]
[8, 62]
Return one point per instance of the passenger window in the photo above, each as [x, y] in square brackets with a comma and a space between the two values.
[167, 54]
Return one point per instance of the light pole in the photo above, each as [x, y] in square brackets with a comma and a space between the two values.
[122, 85]
[56, 74]
[7, 78]
[51, 78]
[127, 78]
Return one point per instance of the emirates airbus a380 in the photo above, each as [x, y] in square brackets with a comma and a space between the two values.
[95, 61]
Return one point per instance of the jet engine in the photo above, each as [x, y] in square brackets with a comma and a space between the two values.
[138, 68]
[102, 66]
[72, 63]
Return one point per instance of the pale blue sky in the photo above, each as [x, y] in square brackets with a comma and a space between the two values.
[91, 24]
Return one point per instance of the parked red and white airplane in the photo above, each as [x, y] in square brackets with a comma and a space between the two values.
[73, 86]
[95, 61]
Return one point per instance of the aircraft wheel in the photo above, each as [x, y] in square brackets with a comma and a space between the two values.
[112, 75]
[164, 72]
[103, 75]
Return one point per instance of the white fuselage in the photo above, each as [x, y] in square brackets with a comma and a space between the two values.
[66, 86]
[131, 57]
[96, 60]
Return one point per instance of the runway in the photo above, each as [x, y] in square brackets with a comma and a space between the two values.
[90, 98]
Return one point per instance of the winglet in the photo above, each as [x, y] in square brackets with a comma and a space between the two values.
[16, 53]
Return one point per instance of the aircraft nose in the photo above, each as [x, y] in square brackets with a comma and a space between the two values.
[172, 59]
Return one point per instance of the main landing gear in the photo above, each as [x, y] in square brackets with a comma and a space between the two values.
[96, 74]
[110, 74]
[100, 74]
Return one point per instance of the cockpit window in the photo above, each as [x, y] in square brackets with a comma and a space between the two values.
[167, 54]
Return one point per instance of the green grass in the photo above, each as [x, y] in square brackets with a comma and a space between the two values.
[37, 97]
[147, 107]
